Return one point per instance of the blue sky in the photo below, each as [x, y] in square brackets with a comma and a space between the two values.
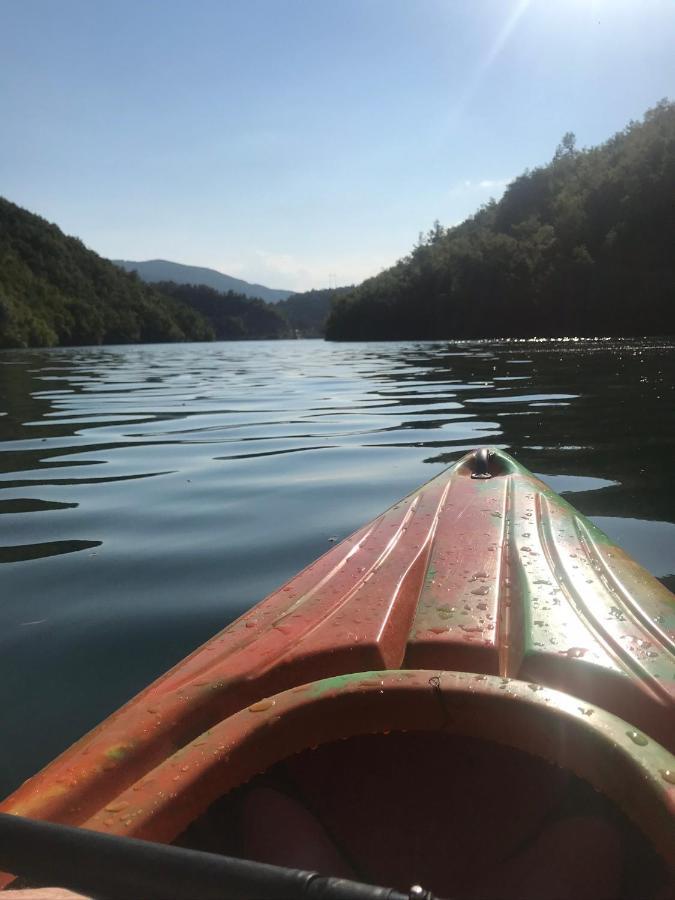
[295, 141]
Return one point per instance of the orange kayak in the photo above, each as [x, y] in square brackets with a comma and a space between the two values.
[471, 691]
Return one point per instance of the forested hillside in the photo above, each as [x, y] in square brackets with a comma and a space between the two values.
[232, 316]
[307, 312]
[582, 246]
[53, 290]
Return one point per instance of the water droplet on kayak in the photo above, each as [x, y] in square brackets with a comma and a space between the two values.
[251, 623]
[481, 605]
[117, 806]
[668, 775]
[481, 591]
[575, 652]
[535, 687]
[261, 705]
[585, 712]
[637, 738]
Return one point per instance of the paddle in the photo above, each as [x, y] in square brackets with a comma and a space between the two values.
[108, 867]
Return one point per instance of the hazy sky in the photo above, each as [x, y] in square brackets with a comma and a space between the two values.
[283, 141]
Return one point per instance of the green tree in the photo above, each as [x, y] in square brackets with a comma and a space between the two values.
[581, 246]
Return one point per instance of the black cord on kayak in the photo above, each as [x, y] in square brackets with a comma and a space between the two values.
[108, 867]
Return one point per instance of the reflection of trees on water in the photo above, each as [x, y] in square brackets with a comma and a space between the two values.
[29, 382]
[617, 423]
[18, 386]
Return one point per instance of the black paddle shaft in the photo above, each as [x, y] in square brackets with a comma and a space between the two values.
[108, 867]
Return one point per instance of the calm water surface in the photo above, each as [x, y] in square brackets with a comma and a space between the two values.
[148, 495]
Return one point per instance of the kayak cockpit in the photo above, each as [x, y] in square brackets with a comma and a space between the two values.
[452, 779]
[464, 817]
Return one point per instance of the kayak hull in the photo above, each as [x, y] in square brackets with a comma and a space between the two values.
[483, 588]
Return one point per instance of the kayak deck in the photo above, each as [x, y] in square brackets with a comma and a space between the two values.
[482, 570]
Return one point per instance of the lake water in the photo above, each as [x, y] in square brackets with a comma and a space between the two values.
[148, 495]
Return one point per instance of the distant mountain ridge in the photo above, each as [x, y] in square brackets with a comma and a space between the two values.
[152, 270]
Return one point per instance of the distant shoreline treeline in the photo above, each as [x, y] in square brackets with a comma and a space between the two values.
[582, 246]
[55, 291]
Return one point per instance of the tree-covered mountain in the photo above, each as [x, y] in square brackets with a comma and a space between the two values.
[308, 311]
[582, 246]
[53, 290]
[232, 316]
[154, 270]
